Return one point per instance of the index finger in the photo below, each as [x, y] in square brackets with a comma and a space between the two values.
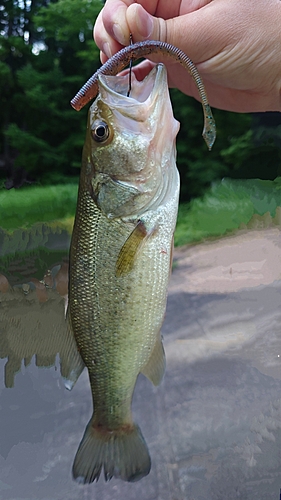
[114, 20]
[114, 17]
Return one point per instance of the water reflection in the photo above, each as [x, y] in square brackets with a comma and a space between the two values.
[213, 427]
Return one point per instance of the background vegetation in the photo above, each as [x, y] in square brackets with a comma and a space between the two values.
[224, 207]
[36, 222]
[46, 54]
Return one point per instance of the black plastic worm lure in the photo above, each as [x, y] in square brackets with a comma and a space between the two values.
[142, 49]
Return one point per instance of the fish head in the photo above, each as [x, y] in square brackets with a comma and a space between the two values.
[130, 143]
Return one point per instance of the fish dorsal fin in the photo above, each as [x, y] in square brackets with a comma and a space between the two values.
[155, 367]
[129, 250]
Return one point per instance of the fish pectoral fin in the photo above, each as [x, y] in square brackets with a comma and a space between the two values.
[155, 368]
[131, 247]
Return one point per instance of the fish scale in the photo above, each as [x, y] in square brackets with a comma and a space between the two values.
[100, 291]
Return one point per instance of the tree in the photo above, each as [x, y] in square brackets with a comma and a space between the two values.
[244, 148]
[55, 53]
[17, 37]
[46, 54]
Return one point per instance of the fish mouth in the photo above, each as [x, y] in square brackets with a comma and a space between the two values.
[114, 91]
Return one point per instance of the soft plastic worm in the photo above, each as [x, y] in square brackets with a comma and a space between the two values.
[142, 49]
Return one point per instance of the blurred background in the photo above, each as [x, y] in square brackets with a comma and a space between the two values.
[46, 53]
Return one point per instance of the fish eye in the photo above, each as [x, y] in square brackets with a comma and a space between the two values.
[100, 131]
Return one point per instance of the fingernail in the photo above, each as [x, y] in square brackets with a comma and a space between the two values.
[106, 49]
[144, 22]
[118, 34]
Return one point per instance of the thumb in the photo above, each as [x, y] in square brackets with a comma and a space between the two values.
[195, 33]
[143, 26]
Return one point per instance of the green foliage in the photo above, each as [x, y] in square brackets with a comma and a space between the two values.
[43, 138]
[32, 149]
[254, 154]
[27, 206]
[46, 53]
[241, 150]
[44, 63]
[198, 167]
[5, 75]
[224, 207]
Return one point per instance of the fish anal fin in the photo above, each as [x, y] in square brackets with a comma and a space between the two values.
[120, 453]
[129, 250]
[155, 368]
[71, 362]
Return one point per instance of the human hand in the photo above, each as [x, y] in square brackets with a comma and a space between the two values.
[236, 45]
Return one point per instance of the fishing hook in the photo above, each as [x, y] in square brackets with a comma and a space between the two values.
[141, 49]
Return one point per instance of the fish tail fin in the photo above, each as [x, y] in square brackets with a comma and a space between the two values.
[121, 453]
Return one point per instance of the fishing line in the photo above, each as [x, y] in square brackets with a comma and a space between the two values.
[121, 59]
[130, 69]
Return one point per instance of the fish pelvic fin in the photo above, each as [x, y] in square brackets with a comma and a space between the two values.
[121, 453]
[71, 362]
[155, 368]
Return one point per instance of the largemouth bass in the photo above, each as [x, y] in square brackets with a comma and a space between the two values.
[120, 262]
[143, 49]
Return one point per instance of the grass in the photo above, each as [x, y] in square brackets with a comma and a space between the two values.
[223, 208]
[226, 206]
[26, 206]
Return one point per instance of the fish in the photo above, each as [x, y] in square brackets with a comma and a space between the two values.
[145, 48]
[120, 263]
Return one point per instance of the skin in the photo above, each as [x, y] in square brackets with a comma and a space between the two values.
[235, 45]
